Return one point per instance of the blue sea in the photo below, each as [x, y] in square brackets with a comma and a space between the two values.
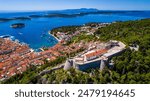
[35, 32]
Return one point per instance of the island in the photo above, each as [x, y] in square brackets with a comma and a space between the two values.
[35, 16]
[21, 18]
[14, 18]
[18, 25]
[4, 19]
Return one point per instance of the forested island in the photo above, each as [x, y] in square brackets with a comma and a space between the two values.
[131, 67]
[14, 18]
[18, 25]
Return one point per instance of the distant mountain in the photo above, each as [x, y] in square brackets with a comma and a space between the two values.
[74, 11]
[83, 10]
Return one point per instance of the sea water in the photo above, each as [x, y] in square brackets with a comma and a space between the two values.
[35, 32]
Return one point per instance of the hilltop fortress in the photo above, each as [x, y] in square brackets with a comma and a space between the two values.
[96, 56]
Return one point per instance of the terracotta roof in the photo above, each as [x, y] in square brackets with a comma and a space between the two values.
[21, 56]
[1, 65]
[96, 53]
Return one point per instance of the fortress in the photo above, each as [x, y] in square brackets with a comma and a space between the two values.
[97, 56]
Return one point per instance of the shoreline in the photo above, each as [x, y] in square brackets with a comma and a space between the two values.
[54, 36]
[49, 32]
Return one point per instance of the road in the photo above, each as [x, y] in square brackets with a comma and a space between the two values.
[53, 69]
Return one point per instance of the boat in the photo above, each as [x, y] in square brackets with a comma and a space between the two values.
[43, 35]
[8, 36]
[20, 33]
[5, 36]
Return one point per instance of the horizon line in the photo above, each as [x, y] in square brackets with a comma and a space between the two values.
[73, 9]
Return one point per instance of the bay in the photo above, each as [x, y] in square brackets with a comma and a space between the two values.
[35, 32]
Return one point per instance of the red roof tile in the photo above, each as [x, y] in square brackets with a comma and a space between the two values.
[96, 53]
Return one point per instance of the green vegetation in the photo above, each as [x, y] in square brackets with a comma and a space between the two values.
[76, 77]
[82, 37]
[92, 24]
[65, 29]
[131, 66]
[130, 32]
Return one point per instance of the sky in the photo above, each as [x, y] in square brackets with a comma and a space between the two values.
[32, 5]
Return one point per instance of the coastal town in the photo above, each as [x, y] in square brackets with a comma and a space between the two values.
[16, 57]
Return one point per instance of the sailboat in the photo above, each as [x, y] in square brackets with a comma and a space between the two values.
[20, 33]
